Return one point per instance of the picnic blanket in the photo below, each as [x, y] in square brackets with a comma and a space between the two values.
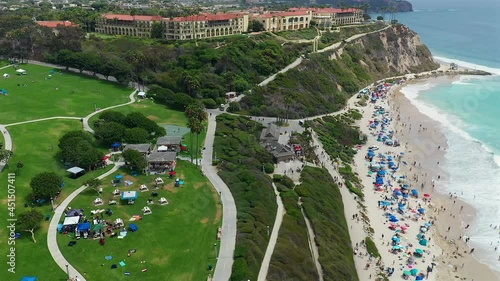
[108, 257]
[122, 263]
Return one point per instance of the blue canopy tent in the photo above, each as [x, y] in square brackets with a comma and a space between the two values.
[84, 226]
[29, 278]
[129, 195]
[116, 145]
[379, 180]
[133, 227]
[414, 192]
[381, 173]
[371, 153]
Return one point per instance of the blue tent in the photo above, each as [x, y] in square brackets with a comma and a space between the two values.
[133, 227]
[29, 278]
[414, 192]
[127, 195]
[371, 153]
[84, 226]
[116, 145]
[379, 180]
[381, 173]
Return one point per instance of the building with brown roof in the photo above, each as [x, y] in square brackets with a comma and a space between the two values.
[281, 21]
[327, 17]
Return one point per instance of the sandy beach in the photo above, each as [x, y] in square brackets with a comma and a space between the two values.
[422, 148]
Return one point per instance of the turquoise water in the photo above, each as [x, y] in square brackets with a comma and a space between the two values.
[467, 33]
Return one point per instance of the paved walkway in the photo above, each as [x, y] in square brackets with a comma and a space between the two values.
[43, 119]
[7, 144]
[86, 119]
[228, 239]
[264, 268]
[52, 231]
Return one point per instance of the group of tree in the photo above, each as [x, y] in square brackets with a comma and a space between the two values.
[77, 149]
[135, 127]
[196, 115]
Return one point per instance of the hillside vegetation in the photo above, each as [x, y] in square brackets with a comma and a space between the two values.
[240, 162]
[324, 81]
[323, 205]
[292, 259]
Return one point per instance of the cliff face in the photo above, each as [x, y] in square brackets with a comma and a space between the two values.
[324, 81]
[398, 48]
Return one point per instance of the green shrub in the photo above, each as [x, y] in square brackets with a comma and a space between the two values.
[277, 178]
[269, 168]
[371, 248]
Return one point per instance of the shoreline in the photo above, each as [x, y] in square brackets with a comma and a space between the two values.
[451, 254]
[449, 211]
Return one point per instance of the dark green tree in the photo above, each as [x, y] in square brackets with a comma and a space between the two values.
[136, 135]
[109, 132]
[135, 159]
[45, 185]
[157, 30]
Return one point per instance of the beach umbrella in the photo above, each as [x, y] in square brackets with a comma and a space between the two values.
[396, 247]
[405, 195]
[403, 227]
[420, 236]
[419, 251]
[426, 195]
[423, 242]
[420, 277]
[397, 192]
[401, 205]
[414, 192]
[406, 273]
[421, 210]
[414, 272]
[395, 239]
[423, 229]
[393, 220]
[427, 224]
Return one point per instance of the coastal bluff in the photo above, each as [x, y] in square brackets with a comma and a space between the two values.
[323, 82]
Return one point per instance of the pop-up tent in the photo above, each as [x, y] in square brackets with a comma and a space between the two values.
[75, 171]
[141, 95]
[29, 278]
[84, 226]
[127, 195]
[71, 221]
[21, 71]
[133, 227]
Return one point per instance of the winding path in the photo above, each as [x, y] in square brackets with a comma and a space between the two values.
[86, 119]
[52, 231]
[264, 268]
[228, 239]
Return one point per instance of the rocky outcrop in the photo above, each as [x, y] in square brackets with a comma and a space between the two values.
[324, 81]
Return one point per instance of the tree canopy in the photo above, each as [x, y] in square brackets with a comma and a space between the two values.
[45, 185]
[135, 159]
[29, 221]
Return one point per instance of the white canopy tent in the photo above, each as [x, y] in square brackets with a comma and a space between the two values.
[21, 71]
[71, 220]
[141, 95]
[162, 148]
[6, 75]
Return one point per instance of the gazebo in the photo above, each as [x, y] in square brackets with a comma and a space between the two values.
[75, 172]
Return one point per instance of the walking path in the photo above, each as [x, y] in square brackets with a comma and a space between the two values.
[86, 119]
[312, 243]
[52, 231]
[274, 236]
[228, 239]
[7, 144]
[43, 119]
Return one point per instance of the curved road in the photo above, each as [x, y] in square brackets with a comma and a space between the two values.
[52, 231]
[228, 239]
[86, 119]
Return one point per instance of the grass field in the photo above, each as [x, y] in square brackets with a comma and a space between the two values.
[64, 94]
[176, 241]
[32, 146]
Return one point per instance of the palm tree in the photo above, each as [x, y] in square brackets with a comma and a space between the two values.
[196, 116]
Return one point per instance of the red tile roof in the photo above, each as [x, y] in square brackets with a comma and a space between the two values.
[206, 17]
[131, 18]
[54, 24]
[285, 14]
[328, 10]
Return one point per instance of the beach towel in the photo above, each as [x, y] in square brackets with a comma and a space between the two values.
[122, 263]
[144, 270]
[108, 257]
[127, 273]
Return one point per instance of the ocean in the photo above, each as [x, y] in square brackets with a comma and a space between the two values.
[467, 33]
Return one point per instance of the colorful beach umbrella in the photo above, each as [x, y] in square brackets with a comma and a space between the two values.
[414, 271]
[406, 273]
[423, 242]
[421, 210]
[426, 195]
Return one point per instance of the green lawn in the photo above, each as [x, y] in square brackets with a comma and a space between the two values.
[156, 112]
[32, 146]
[64, 94]
[306, 34]
[176, 241]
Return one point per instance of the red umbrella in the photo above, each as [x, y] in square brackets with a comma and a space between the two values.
[427, 195]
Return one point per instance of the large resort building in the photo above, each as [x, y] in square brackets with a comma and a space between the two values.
[205, 25]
